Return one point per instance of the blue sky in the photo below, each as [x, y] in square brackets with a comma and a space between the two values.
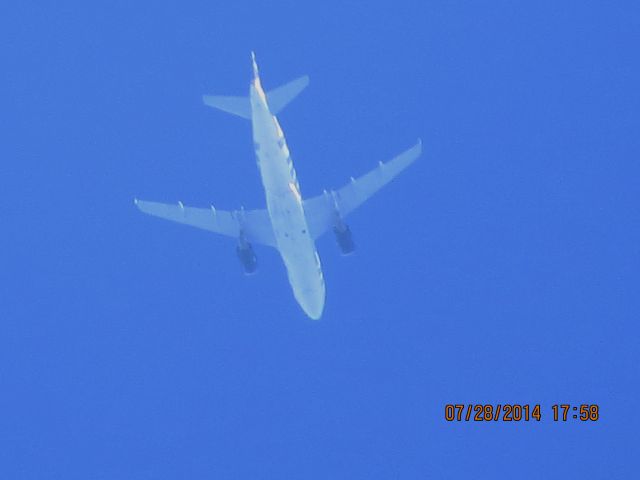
[501, 268]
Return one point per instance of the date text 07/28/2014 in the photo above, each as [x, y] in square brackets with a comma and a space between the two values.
[514, 412]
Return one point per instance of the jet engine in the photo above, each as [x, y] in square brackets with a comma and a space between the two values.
[247, 256]
[343, 238]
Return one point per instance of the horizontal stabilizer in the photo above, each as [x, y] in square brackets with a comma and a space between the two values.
[236, 105]
[278, 98]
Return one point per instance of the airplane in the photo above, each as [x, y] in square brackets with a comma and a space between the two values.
[290, 223]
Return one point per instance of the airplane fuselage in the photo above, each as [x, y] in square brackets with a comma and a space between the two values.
[284, 204]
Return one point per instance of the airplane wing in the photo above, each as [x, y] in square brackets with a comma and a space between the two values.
[254, 224]
[322, 211]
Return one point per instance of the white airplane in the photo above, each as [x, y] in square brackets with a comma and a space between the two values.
[290, 223]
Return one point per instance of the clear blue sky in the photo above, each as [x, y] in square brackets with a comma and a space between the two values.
[502, 267]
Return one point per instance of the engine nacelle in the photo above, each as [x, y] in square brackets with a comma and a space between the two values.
[344, 240]
[247, 257]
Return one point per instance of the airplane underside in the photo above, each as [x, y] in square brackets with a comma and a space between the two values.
[290, 223]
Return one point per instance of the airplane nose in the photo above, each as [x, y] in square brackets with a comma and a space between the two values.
[312, 302]
[314, 311]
